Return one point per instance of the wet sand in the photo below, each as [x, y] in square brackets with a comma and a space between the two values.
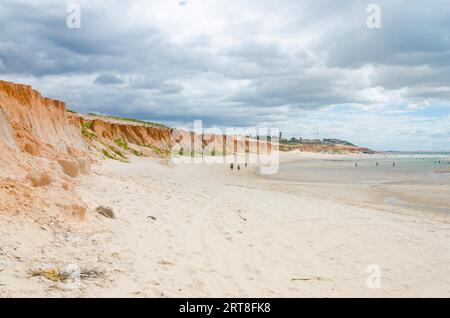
[416, 182]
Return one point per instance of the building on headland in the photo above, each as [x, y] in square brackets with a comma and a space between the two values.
[310, 141]
[336, 141]
[301, 140]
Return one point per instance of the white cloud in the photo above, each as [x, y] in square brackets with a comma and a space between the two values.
[289, 64]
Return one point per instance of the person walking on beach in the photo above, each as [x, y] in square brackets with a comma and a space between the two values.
[245, 165]
[393, 165]
[377, 163]
[239, 168]
[231, 166]
[356, 164]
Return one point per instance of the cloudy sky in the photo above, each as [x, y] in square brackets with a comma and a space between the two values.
[290, 64]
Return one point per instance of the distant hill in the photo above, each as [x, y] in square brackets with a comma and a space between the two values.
[333, 145]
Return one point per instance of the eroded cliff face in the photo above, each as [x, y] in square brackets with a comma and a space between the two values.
[117, 139]
[337, 148]
[41, 147]
[44, 148]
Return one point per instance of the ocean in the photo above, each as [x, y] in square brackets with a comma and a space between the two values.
[380, 168]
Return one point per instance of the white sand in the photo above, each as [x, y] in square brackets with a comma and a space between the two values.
[224, 233]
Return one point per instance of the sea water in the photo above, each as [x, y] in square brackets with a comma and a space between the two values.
[379, 171]
[381, 168]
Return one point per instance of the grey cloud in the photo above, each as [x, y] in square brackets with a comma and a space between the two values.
[171, 88]
[285, 59]
[107, 78]
[256, 51]
[409, 35]
[397, 77]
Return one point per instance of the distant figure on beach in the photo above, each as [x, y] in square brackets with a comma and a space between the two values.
[239, 168]
[393, 165]
[356, 164]
[377, 163]
[246, 165]
[231, 166]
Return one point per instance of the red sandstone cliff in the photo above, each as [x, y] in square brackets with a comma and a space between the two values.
[41, 147]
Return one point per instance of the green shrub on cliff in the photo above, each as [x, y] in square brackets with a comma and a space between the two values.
[86, 130]
[132, 120]
[122, 143]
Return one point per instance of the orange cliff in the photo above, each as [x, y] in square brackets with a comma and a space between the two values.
[334, 148]
[44, 148]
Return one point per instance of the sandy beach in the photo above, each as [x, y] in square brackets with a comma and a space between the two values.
[202, 230]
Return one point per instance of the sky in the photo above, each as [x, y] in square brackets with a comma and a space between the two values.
[299, 66]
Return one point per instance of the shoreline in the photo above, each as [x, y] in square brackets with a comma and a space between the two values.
[397, 188]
